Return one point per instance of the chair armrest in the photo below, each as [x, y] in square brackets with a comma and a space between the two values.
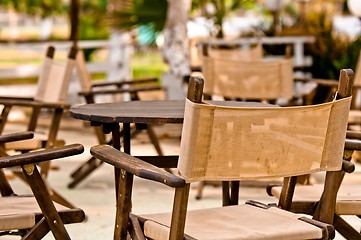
[32, 103]
[353, 134]
[12, 137]
[122, 90]
[353, 144]
[136, 166]
[128, 82]
[40, 156]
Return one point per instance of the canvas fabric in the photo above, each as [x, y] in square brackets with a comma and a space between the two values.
[240, 54]
[348, 197]
[84, 75]
[19, 212]
[234, 143]
[54, 81]
[248, 79]
[235, 222]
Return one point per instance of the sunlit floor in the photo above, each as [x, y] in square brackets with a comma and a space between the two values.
[96, 195]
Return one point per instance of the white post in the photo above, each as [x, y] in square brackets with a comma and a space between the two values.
[120, 53]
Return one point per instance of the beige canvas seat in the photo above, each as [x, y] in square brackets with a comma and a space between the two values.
[230, 144]
[51, 96]
[33, 216]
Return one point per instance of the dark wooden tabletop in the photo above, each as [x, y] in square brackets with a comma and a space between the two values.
[148, 112]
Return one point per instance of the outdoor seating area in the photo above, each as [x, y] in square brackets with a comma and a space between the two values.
[161, 132]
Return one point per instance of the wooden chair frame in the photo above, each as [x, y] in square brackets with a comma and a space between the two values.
[49, 219]
[36, 107]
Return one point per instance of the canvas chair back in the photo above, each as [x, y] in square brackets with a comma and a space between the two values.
[83, 73]
[248, 79]
[253, 53]
[54, 78]
[232, 143]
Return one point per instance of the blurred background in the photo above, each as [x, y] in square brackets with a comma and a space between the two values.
[130, 38]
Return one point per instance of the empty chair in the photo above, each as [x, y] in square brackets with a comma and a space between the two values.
[50, 99]
[233, 143]
[51, 96]
[32, 217]
[242, 78]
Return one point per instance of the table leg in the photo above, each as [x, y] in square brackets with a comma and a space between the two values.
[123, 183]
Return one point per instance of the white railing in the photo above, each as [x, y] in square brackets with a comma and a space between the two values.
[115, 64]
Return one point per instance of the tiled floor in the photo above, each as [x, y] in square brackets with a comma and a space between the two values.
[95, 195]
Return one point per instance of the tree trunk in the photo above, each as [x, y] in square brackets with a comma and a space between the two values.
[175, 49]
[74, 21]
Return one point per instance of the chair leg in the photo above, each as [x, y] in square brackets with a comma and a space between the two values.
[123, 204]
[83, 171]
[38, 231]
[135, 230]
[201, 186]
[55, 196]
[345, 229]
[46, 205]
[154, 140]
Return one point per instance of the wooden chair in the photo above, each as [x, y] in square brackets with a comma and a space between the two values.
[230, 143]
[32, 217]
[245, 78]
[50, 97]
[91, 90]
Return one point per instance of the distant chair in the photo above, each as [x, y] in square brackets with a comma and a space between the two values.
[245, 77]
[50, 99]
[229, 144]
[32, 217]
[51, 96]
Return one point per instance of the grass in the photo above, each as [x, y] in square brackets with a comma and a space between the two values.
[148, 64]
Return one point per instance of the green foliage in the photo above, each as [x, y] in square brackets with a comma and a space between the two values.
[148, 64]
[43, 8]
[147, 15]
[331, 52]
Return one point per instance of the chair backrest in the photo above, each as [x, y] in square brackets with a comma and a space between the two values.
[54, 78]
[252, 53]
[257, 79]
[83, 73]
[234, 143]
